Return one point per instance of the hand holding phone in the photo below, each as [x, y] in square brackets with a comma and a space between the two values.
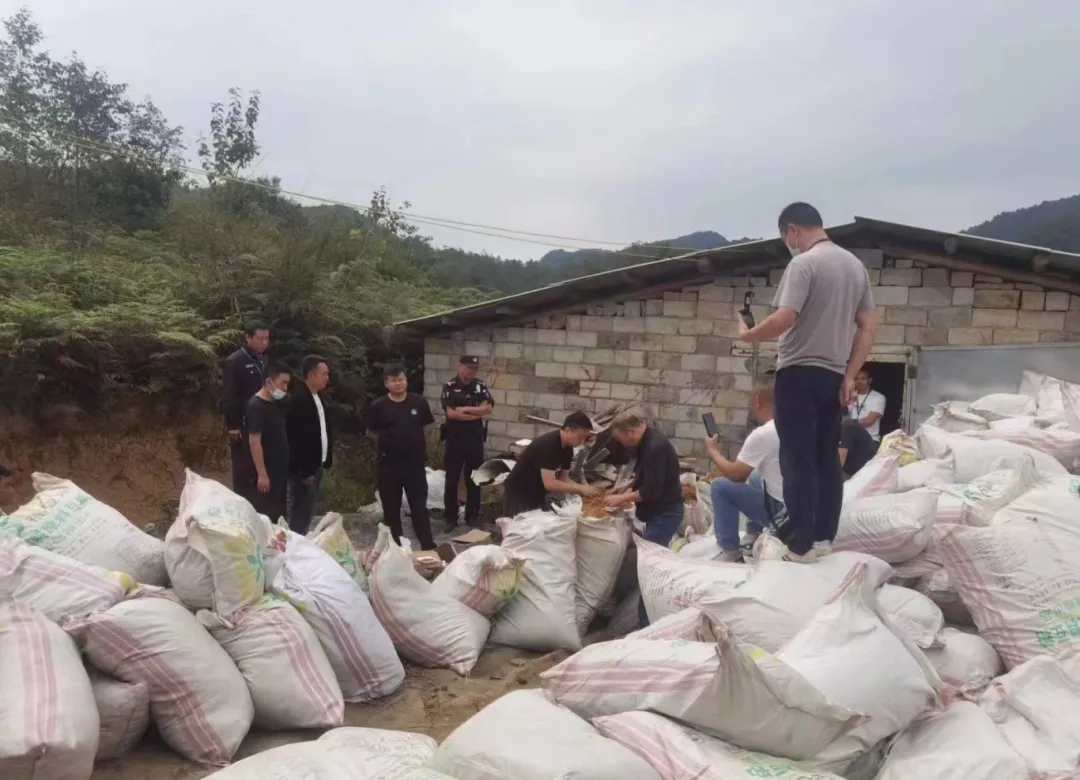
[710, 425]
[745, 313]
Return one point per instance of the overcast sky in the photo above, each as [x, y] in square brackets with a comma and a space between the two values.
[622, 120]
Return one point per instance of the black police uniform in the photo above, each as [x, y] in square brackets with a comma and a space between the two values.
[464, 444]
[243, 374]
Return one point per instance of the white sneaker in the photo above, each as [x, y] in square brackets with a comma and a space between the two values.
[810, 556]
[821, 549]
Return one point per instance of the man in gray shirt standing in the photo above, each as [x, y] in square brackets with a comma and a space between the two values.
[825, 322]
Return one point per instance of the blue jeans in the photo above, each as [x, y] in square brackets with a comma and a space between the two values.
[660, 530]
[729, 499]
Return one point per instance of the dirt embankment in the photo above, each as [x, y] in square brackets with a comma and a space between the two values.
[134, 462]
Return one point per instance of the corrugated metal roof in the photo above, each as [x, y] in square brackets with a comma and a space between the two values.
[733, 260]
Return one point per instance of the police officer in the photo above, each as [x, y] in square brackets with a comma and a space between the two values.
[466, 401]
[243, 375]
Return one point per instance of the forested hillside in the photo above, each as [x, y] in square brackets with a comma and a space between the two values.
[1052, 223]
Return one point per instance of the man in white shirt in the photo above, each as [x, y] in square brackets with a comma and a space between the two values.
[752, 484]
[868, 406]
[310, 442]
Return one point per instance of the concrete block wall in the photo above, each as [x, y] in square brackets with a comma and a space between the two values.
[676, 354]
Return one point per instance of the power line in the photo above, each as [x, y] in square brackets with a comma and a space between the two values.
[450, 224]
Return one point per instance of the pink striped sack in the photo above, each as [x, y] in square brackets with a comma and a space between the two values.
[1062, 445]
[1018, 577]
[976, 502]
[678, 752]
[357, 646]
[484, 578]
[198, 700]
[426, 627]
[691, 624]
[291, 682]
[734, 691]
[879, 477]
[50, 721]
[895, 528]
[54, 585]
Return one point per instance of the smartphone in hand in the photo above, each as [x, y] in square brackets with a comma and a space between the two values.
[710, 424]
[745, 313]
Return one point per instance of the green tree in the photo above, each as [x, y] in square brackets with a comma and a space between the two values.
[232, 145]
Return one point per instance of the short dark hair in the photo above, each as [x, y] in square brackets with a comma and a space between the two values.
[800, 215]
[390, 370]
[310, 363]
[577, 421]
[274, 370]
[4, 473]
[255, 326]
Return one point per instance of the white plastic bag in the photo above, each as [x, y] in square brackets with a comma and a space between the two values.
[1000, 406]
[124, 709]
[913, 613]
[330, 537]
[1036, 707]
[199, 701]
[727, 689]
[894, 528]
[926, 473]
[975, 457]
[965, 661]
[959, 743]
[1018, 577]
[678, 752]
[600, 547]
[50, 721]
[426, 627]
[878, 477]
[291, 682]
[214, 548]
[524, 736]
[54, 585]
[543, 615]
[857, 658]
[484, 578]
[357, 646]
[670, 582]
[66, 520]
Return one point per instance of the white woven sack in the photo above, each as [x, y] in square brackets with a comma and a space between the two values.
[913, 613]
[857, 658]
[781, 597]
[1036, 707]
[678, 752]
[1062, 445]
[124, 709]
[732, 690]
[926, 473]
[1013, 423]
[54, 585]
[360, 651]
[484, 577]
[321, 761]
[524, 736]
[1000, 406]
[426, 627]
[1070, 403]
[543, 615]
[953, 417]
[330, 537]
[702, 548]
[895, 528]
[198, 700]
[291, 682]
[1049, 395]
[214, 548]
[976, 457]
[977, 502]
[68, 521]
[599, 549]
[1018, 576]
[670, 582]
[703, 491]
[937, 587]
[690, 624]
[50, 721]
[410, 748]
[961, 742]
[965, 661]
[878, 477]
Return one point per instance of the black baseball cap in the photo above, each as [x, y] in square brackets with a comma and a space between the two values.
[469, 360]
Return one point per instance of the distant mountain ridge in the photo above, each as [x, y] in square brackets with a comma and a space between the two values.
[1054, 224]
[691, 242]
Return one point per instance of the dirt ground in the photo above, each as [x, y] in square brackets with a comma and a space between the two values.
[432, 702]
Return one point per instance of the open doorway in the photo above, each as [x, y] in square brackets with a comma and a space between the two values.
[888, 379]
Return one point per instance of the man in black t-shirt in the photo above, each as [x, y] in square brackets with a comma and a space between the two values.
[396, 423]
[857, 447]
[267, 445]
[536, 472]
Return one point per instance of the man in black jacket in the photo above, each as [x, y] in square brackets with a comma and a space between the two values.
[310, 442]
[243, 373]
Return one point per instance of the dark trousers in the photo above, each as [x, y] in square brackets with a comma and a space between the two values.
[463, 454]
[808, 416]
[303, 502]
[274, 503]
[241, 468]
[660, 529]
[396, 476]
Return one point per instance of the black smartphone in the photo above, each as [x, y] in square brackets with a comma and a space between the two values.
[745, 313]
[710, 424]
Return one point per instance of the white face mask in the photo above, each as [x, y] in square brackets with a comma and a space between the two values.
[277, 395]
[795, 251]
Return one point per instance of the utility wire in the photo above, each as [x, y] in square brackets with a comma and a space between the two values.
[450, 224]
